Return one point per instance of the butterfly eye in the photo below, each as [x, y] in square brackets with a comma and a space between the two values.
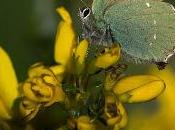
[85, 12]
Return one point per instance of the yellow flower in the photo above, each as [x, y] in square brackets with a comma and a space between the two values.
[163, 116]
[81, 123]
[81, 78]
[8, 85]
[128, 89]
[43, 86]
[105, 60]
[89, 85]
[41, 89]
[139, 88]
[84, 123]
[67, 49]
[80, 55]
[114, 112]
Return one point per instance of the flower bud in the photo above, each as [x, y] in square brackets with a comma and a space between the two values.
[105, 60]
[84, 123]
[139, 88]
[114, 112]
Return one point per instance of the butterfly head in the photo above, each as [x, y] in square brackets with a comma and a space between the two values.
[85, 13]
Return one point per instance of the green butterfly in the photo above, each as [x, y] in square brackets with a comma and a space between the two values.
[145, 29]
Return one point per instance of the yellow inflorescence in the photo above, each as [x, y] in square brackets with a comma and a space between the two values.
[41, 89]
[79, 79]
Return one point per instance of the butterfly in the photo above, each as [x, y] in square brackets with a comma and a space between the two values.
[145, 29]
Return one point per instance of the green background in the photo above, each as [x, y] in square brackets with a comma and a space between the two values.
[28, 29]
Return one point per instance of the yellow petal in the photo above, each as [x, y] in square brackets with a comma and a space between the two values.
[64, 14]
[105, 60]
[38, 68]
[124, 119]
[80, 55]
[115, 114]
[166, 100]
[43, 86]
[8, 80]
[65, 39]
[163, 117]
[139, 88]
[83, 123]
[28, 109]
[57, 69]
[110, 57]
[35, 70]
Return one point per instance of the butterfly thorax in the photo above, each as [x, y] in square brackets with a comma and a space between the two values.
[92, 28]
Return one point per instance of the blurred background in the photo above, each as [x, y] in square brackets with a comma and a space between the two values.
[27, 33]
[28, 29]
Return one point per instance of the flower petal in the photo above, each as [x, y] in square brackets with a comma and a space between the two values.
[8, 80]
[167, 107]
[105, 60]
[42, 86]
[139, 88]
[80, 54]
[163, 117]
[28, 109]
[84, 123]
[65, 39]
[65, 15]
[114, 112]
[57, 69]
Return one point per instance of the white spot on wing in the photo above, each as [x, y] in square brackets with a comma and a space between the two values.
[150, 43]
[155, 22]
[172, 8]
[155, 36]
[169, 55]
[148, 4]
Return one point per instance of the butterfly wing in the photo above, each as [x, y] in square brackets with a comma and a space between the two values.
[144, 28]
[100, 6]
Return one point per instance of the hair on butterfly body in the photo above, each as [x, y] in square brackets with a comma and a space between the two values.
[96, 35]
[145, 29]
[90, 31]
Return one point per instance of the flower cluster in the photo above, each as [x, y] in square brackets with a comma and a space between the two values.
[89, 84]
[41, 89]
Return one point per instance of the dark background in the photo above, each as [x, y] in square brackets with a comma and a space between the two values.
[28, 29]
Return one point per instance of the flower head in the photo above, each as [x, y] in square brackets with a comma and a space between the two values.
[94, 86]
[41, 89]
[89, 85]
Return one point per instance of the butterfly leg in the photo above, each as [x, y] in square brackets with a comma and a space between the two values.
[161, 65]
[117, 70]
[110, 35]
[106, 39]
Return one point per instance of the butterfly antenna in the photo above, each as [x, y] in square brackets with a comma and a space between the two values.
[84, 3]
